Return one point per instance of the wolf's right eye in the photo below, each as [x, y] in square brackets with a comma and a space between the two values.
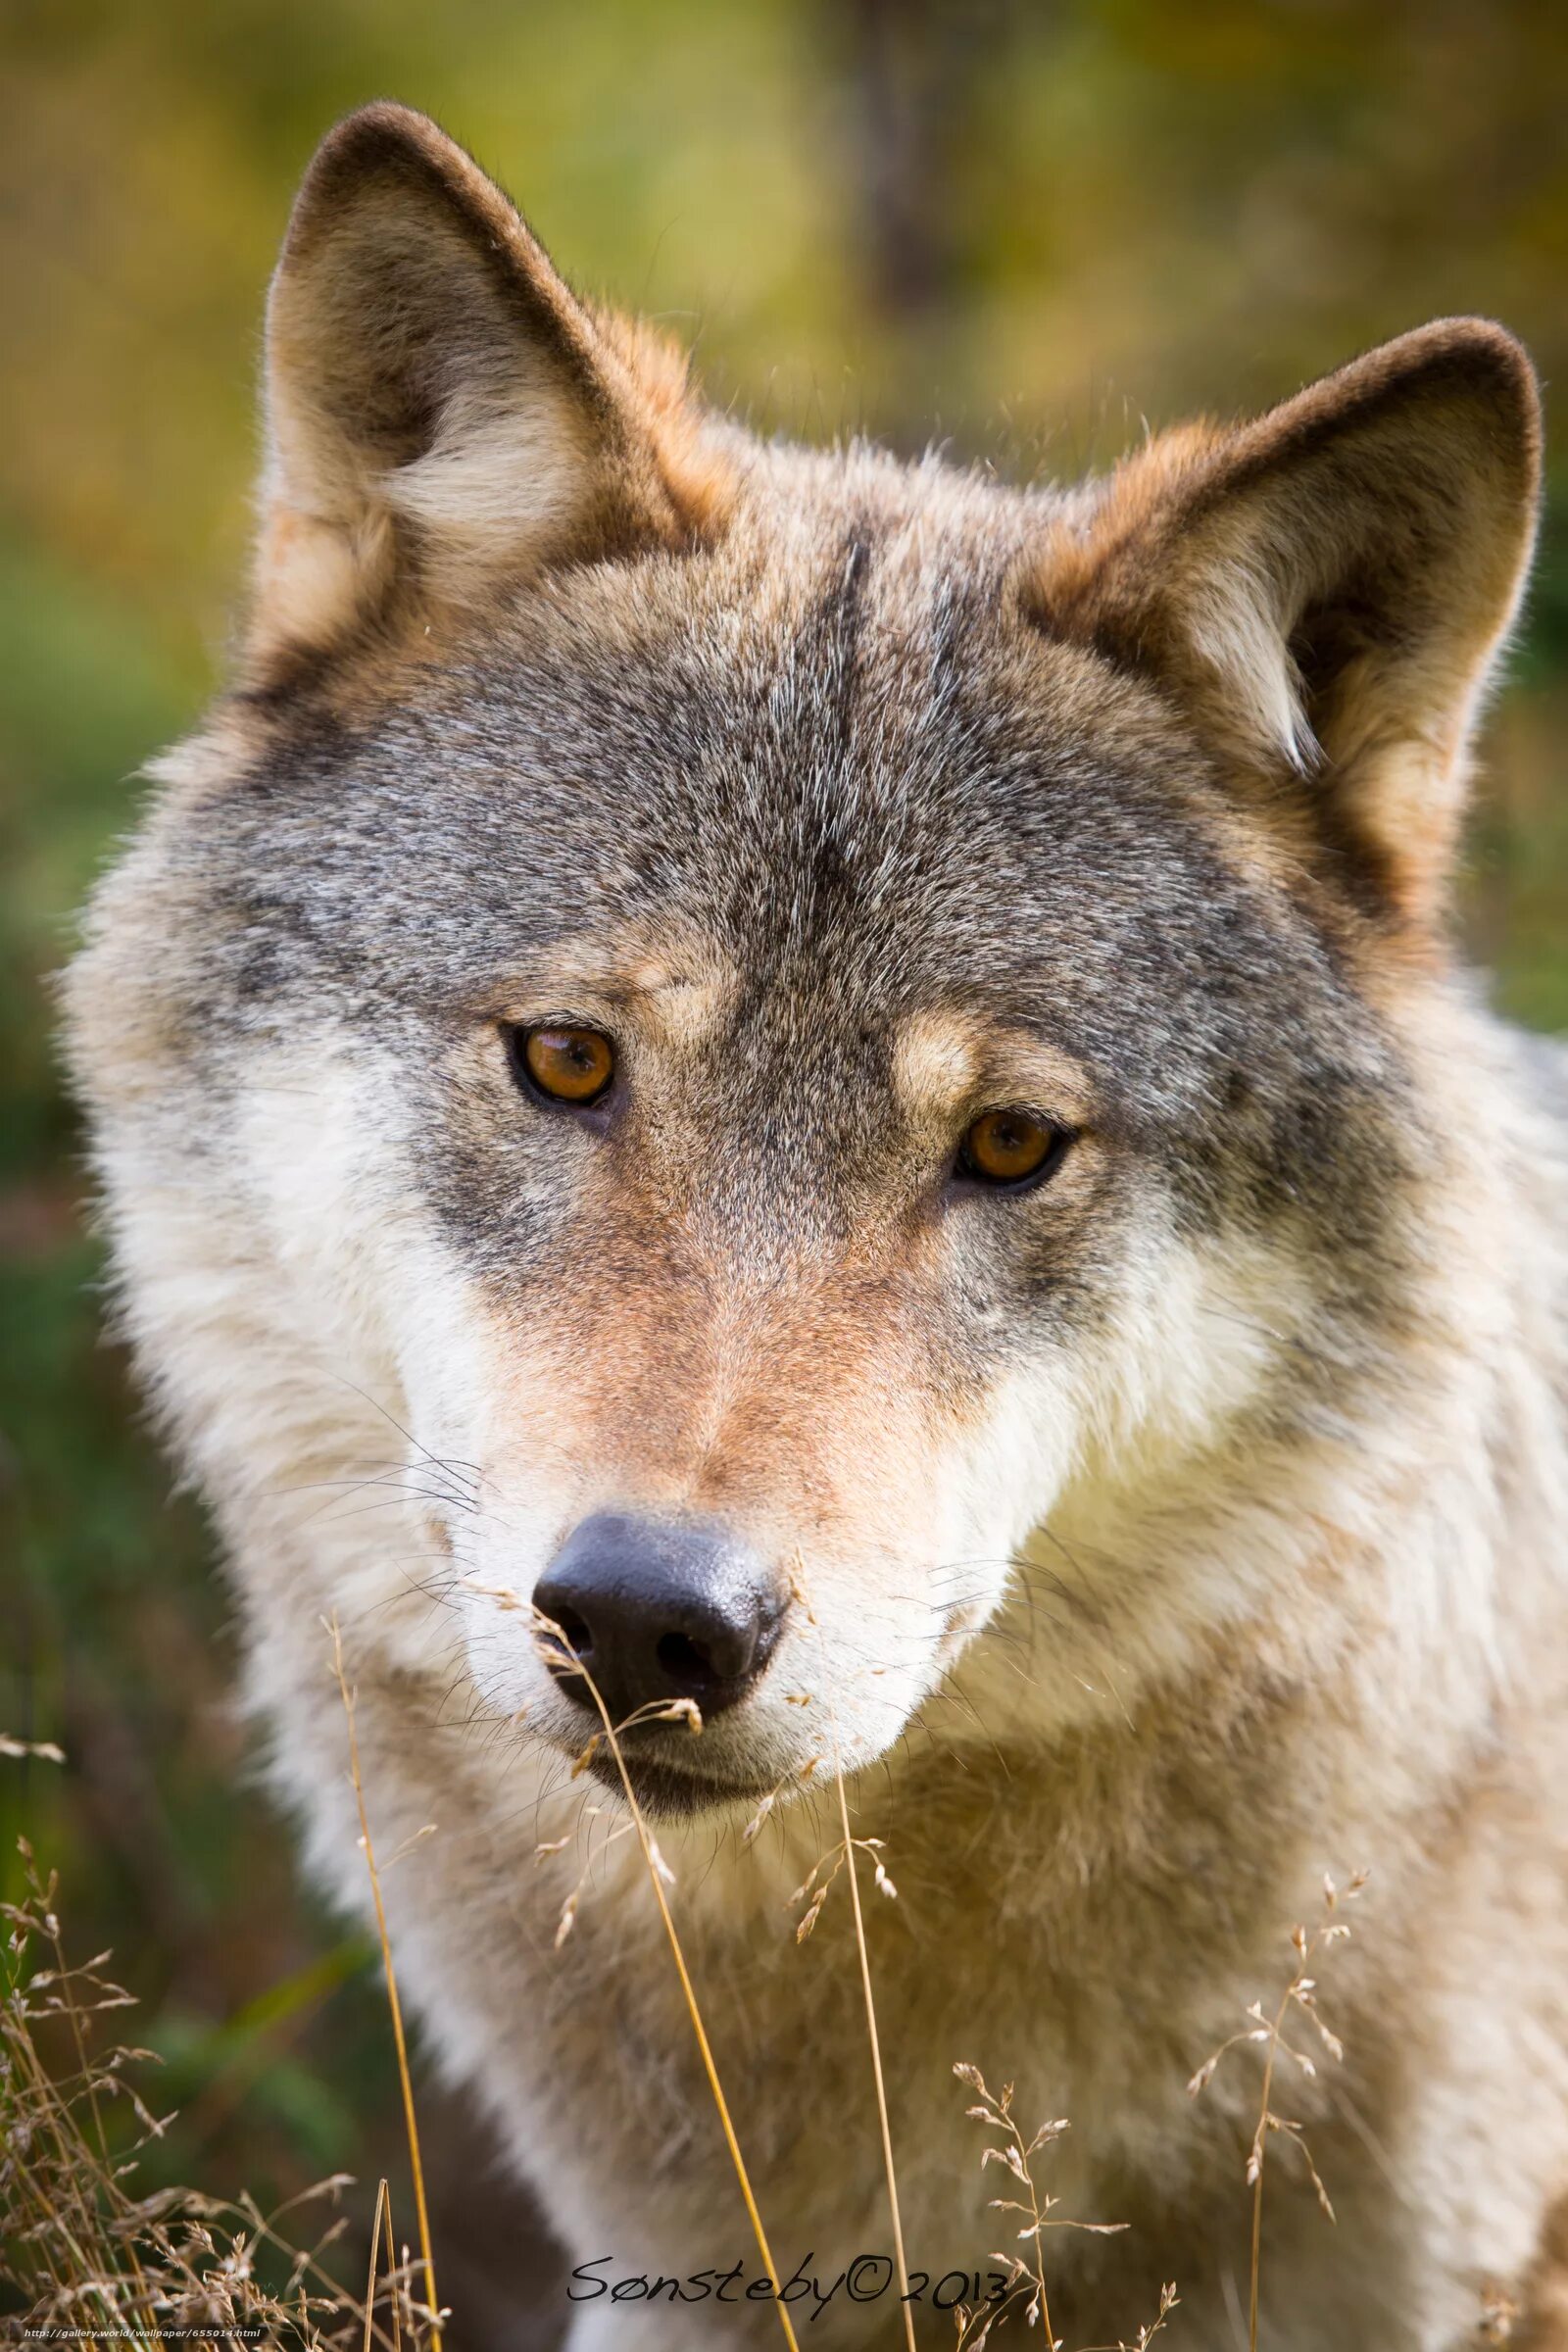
[566, 1066]
[1011, 1149]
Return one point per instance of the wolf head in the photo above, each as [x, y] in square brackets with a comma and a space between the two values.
[804, 1051]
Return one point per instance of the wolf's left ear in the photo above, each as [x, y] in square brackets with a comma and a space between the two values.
[444, 416]
[1326, 589]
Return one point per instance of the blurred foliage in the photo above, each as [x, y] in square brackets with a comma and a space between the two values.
[1025, 228]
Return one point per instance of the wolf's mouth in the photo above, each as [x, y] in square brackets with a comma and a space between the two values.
[668, 1790]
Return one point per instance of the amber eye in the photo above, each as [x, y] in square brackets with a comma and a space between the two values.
[569, 1065]
[1010, 1147]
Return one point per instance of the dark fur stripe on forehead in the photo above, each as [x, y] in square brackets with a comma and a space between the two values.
[860, 642]
[828, 642]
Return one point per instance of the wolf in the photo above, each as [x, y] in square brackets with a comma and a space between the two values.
[848, 1087]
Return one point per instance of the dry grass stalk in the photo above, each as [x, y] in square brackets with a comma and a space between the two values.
[394, 2004]
[1027, 2279]
[396, 2286]
[80, 2250]
[383, 2202]
[825, 1869]
[1168, 2300]
[44, 1750]
[559, 1653]
[1500, 2314]
[886, 1884]
[1268, 2033]
[816, 1887]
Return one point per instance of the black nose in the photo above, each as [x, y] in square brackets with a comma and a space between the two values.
[659, 1610]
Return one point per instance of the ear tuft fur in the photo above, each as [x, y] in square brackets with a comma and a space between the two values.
[445, 419]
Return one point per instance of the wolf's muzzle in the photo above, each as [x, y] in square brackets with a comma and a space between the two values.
[657, 1609]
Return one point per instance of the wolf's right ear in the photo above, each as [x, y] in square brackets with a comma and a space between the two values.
[444, 416]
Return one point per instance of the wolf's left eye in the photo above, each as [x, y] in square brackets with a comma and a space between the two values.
[569, 1065]
[1010, 1149]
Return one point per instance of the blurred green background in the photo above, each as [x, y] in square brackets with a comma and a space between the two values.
[1023, 228]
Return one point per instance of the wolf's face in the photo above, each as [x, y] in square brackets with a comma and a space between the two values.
[796, 1022]
[930, 1100]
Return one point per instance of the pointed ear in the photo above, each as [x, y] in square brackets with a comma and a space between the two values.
[444, 417]
[1326, 589]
